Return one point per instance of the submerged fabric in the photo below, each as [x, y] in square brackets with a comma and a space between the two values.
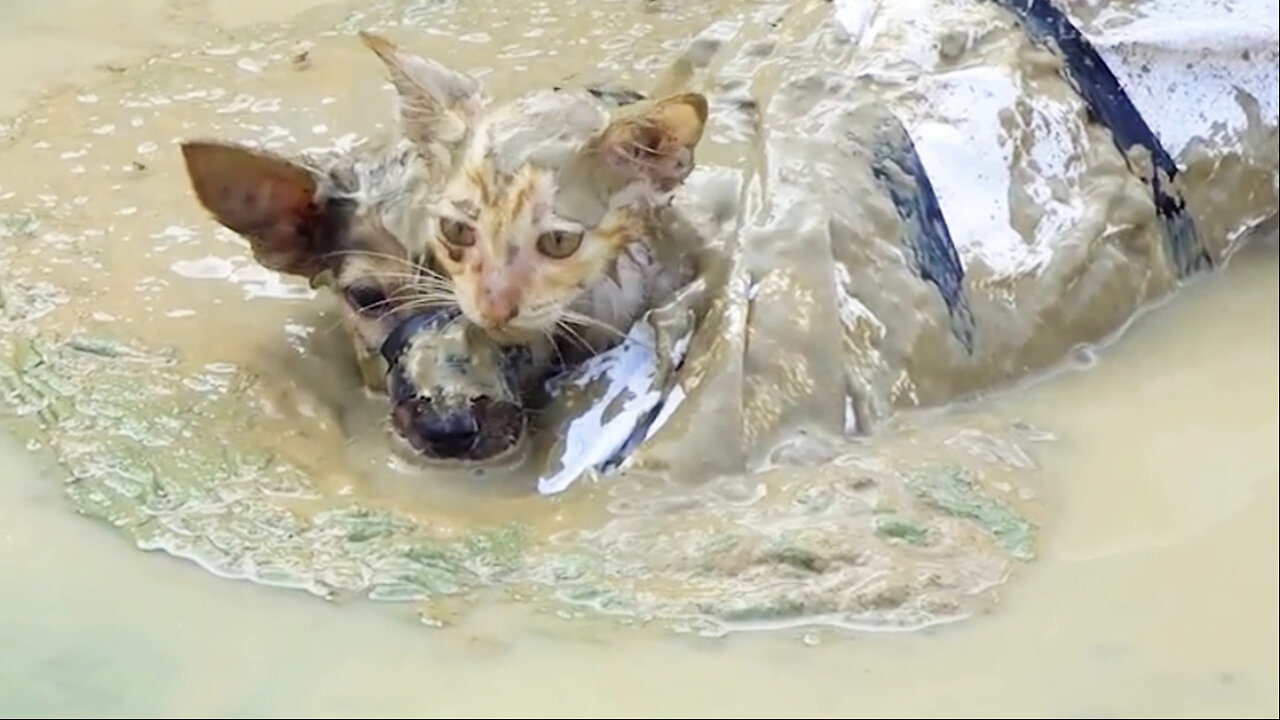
[928, 209]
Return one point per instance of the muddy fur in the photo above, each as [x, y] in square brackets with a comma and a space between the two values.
[366, 225]
[345, 221]
[451, 371]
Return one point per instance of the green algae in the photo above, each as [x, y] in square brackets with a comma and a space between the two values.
[184, 471]
[953, 491]
[123, 422]
[902, 530]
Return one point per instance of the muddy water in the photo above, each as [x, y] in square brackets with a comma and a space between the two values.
[211, 409]
[47, 50]
[1154, 591]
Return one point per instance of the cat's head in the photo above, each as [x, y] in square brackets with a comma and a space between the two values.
[536, 197]
[333, 226]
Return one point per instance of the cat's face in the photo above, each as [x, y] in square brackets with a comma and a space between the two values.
[536, 196]
[516, 263]
[328, 226]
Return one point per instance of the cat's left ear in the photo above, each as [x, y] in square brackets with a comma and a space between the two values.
[437, 105]
[658, 142]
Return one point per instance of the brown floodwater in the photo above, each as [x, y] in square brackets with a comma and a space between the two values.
[1154, 589]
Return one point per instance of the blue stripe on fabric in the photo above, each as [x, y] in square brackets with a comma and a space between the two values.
[925, 229]
[1048, 27]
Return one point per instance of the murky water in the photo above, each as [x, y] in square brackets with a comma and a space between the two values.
[1154, 591]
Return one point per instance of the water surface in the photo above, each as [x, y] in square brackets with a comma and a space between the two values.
[1154, 593]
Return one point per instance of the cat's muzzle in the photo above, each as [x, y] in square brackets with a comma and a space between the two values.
[476, 429]
[453, 391]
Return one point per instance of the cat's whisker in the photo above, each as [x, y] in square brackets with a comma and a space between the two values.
[443, 294]
[418, 287]
[381, 303]
[372, 254]
[418, 291]
[330, 327]
[577, 318]
[643, 149]
[554, 346]
[415, 279]
[420, 273]
[425, 304]
[417, 275]
[433, 275]
[573, 334]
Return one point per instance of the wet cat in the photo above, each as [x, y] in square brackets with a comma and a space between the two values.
[532, 216]
[345, 221]
[529, 218]
[543, 220]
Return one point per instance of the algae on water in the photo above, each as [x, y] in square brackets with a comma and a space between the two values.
[185, 467]
[952, 491]
[125, 424]
[902, 530]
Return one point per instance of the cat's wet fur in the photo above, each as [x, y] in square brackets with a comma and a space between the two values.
[556, 193]
[342, 221]
[543, 219]
[458, 397]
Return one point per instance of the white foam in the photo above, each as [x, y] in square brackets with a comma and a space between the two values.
[205, 268]
[256, 280]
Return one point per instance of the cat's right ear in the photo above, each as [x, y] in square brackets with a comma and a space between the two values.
[437, 105]
[269, 201]
[657, 140]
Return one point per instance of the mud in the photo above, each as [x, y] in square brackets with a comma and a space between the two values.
[209, 409]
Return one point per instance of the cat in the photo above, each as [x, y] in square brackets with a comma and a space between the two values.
[544, 215]
[344, 221]
[531, 217]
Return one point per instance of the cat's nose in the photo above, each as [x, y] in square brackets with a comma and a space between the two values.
[450, 432]
[443, 433]
[498, 310]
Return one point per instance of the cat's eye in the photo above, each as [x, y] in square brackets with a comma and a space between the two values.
[559, 244]
[367, 299]
[457, 233]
